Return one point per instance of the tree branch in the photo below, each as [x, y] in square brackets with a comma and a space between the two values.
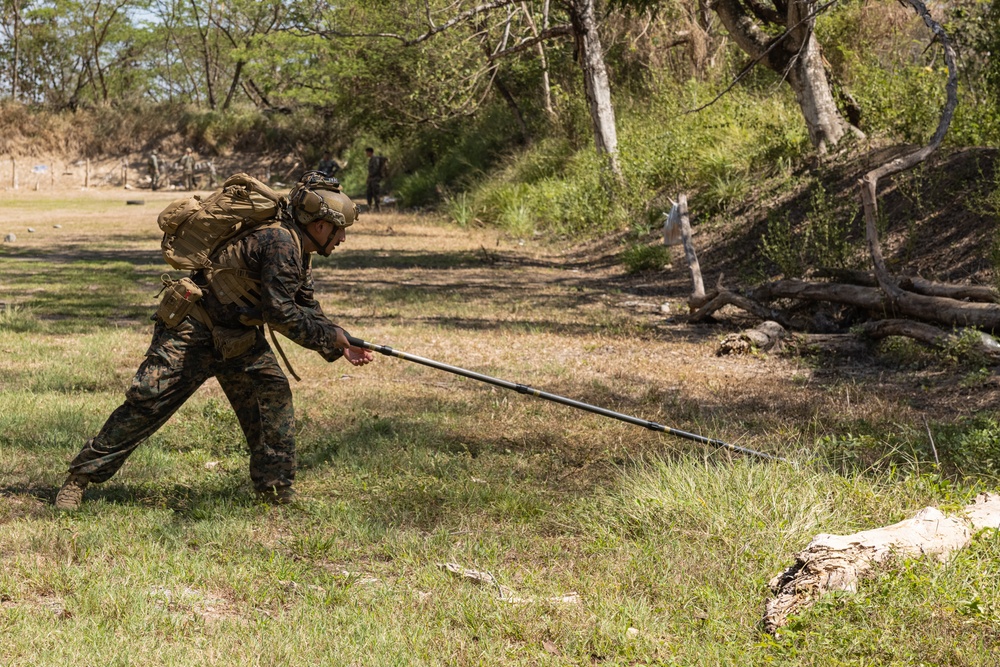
[869, 182]
[527, 43]
[434, 30]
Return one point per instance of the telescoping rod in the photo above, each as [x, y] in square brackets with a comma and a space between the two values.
[523, 389]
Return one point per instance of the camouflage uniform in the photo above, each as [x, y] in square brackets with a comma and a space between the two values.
[374, 182]
[187, 164]
[179, 360]
[154, 171]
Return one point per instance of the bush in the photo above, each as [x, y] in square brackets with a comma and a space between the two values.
[639, 257]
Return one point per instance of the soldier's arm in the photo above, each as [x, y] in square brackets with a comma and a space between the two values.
[306, 296]
[279, 259]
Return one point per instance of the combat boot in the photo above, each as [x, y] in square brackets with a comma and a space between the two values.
[70, 496]
[276, 495]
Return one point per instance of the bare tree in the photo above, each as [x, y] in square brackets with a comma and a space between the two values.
[11, 27]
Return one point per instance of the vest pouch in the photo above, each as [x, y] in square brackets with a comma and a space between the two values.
[232, 343]
[179, 296]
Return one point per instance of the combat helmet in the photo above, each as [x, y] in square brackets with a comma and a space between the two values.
[319, 197]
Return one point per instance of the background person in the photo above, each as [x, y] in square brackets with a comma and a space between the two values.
[154, 170]
[327, 165]
[378, 166]
[187, 166]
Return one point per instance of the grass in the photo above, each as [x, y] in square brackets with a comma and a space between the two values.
[668, 547]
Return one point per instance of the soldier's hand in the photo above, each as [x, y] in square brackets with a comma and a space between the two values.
[358, 356]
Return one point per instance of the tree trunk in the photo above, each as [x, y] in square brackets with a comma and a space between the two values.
[16, 45]
[546, 86]
[797, 57]
[807, 77]
[514, 108]
[206, 53]
[595, 77]
[235, 84]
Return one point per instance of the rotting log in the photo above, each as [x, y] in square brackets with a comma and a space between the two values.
[764, 337]
[837, 562]
[721, 297]
[915, 284]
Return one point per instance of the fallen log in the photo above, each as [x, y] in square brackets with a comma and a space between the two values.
[721, 297]
[764, 337]
[932, 336]
[837, 562]
[940, 310]
[915, 284]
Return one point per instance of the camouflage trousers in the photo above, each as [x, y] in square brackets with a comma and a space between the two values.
[179, 361]
[373, 187]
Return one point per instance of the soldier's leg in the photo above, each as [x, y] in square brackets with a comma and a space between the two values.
[259, 393]
[177, 363]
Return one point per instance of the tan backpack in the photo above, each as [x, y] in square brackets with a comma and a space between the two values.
[193, 228]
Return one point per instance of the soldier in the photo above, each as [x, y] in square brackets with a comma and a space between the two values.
[328, 166]
[270, 281]
[187, 164]
[377, 170]
[212, 176]
[154, 171]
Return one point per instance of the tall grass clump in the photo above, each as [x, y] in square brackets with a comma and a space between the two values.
[18, 319]
[716, 154]
[534, 191]
[821, 239]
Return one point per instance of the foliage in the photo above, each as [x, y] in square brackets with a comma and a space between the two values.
[640, 257]
[300, 78]
[822, 239]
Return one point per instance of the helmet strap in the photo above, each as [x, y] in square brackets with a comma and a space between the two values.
[320, 248]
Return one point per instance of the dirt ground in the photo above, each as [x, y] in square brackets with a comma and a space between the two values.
[565, 319]
[479, 299]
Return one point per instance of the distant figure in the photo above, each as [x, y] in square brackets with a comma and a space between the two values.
[211, 174]
[187, 164]
[378, 168]
[154, 170]
[328, 166]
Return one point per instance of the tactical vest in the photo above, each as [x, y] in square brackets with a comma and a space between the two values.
[230, 281]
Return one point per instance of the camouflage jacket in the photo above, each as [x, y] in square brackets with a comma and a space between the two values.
[376, 167]
[284, 296]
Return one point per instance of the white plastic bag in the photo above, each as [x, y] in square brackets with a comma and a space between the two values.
[672, 226]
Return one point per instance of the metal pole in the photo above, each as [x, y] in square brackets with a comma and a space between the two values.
[523, 389]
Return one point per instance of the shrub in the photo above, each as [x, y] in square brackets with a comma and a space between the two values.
[640, 257]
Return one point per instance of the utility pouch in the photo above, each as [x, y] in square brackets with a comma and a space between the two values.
[232, 343]
[179, 296]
